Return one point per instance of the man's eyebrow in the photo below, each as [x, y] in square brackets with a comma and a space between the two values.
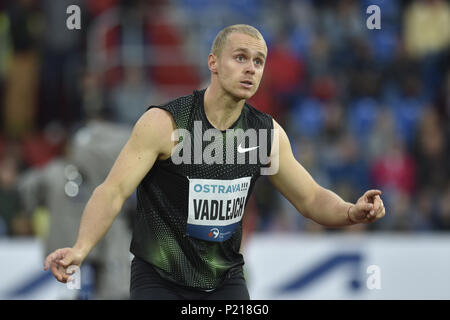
[259, 53]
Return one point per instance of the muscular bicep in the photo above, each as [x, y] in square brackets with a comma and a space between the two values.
[150, 138]
[292, 179]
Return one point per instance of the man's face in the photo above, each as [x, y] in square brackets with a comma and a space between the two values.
[241, 65]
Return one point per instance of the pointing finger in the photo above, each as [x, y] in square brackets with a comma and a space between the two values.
[48, 261]
[58, 272]
[50, 258]
[376, 204]
[381, 211]
[371, 193]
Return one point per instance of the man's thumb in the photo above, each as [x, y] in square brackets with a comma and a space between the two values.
[66, 261]
[362, 209]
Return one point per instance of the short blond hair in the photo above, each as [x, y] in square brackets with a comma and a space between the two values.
[222, 36]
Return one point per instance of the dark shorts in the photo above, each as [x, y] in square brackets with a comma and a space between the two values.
[147, 284]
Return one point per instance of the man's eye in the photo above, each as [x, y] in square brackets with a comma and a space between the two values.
[258, 62]
[240, 58]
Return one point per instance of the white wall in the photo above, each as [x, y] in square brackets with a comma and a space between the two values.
[22, 267]
[410, 267]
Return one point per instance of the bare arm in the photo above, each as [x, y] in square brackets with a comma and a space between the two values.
[315, 202]
[150, 139]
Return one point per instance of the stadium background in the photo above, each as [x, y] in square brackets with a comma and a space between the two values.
[363, 108]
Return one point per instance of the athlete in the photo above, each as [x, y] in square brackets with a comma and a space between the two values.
[194, 162]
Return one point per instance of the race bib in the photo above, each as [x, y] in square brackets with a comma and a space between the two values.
[216, 207]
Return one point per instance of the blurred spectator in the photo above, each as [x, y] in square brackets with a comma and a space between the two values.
[21, 86]
[303, 21]
[427, 27]
[130, 99]
[342, 23]
[40, 147]
[323, 87]
[319, 56]
[264, 100]
[433, 170]
[99, 6]
[13, 222]
[363, 70]
[395, 171]
[382, 131]
[291, 220]
[5, 56]
[424, 216]
[348, 171]
[92, 97]
[443, 100]
[334, 122]
[408, 107]
[64, 186]
[427, 34]
[399, 205]
[285, 73]
[308, 155]
[61, 62]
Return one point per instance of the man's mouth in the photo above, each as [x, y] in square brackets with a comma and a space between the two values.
[247, 84]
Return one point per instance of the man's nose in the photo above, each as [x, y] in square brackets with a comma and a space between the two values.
[250, 68]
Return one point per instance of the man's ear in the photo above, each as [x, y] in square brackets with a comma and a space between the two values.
[212, 63]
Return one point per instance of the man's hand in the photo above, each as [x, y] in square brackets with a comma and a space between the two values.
[59, 260]
[368, 208]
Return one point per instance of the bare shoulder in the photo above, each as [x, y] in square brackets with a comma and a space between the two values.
[281, 144]
[157, 118]
[276, 125]
[155, 128]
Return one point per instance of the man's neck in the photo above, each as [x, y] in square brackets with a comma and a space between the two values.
[220, 108]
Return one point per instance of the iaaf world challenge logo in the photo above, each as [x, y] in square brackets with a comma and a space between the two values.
[252, 147]
[214, 233]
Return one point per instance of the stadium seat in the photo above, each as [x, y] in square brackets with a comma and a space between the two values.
[308, 117]
[362, 116]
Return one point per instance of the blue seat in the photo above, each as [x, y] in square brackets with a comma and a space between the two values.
[300, 41]
[308, 117]
[248, 9]
[362, 116]
[384, 43]
[407, 112]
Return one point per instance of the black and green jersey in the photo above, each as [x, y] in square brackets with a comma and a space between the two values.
[190, 206]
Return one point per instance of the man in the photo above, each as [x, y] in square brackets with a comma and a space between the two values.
[64, 185]
[187, 230]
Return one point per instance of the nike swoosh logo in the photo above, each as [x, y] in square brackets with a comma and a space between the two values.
[243, 150]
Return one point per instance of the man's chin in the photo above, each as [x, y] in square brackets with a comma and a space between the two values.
[244, 94]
